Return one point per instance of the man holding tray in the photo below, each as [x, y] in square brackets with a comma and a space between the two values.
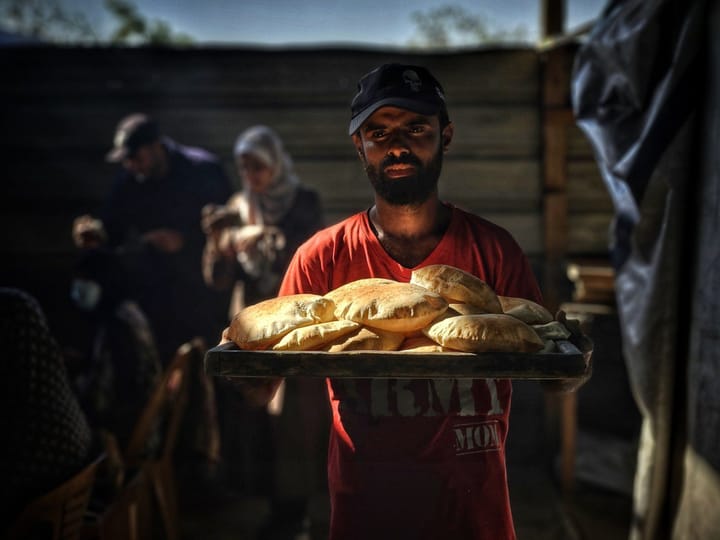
[425, 458]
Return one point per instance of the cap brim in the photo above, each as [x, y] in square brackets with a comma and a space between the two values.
[422, 107]
[116, 154]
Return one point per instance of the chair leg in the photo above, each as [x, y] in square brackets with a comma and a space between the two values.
[163, 481]
[123, 517]
[133, 521]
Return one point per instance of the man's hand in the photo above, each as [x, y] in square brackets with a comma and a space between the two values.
[165, 240]
[88, 232]
[257, 391]
[584, 344]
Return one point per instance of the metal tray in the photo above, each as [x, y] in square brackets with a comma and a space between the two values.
[228, 361]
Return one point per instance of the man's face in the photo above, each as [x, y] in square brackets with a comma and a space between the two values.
[148, 161]
[402, 152]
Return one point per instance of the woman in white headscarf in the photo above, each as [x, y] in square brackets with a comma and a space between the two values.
[251, 239]
[249, 244]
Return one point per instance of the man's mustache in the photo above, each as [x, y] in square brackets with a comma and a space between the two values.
[402, 160]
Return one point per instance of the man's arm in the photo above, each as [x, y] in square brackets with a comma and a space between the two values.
[584, 345]
[260, 391]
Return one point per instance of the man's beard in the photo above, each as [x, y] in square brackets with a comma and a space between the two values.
[412, 190]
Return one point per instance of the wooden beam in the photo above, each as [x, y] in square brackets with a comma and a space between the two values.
[552, 18]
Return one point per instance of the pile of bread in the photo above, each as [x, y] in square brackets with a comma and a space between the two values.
[442, 309]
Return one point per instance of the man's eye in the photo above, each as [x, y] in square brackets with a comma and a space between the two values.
[378, 134]
[417, 129]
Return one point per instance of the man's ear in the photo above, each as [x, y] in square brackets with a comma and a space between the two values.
[357, 141]
[447, 135]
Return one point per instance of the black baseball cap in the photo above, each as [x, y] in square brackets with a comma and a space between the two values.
[400, 85]
[132, 132]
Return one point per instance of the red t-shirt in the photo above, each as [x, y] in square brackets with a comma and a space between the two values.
[425, 458]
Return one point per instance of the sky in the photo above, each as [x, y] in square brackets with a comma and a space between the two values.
[288, 22]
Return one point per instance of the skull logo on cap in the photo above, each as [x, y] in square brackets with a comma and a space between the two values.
[412, 79]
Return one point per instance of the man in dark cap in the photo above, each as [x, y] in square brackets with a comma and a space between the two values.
[136, 146]
[153, 216]
[424, 458]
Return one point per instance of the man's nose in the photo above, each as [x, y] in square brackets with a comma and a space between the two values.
[398, 144]
[131, 165]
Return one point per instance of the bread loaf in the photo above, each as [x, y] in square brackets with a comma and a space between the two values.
[367, 339]
[457, 286]
[526, 310]
[422, 344]
[315, 336]
[387, 305]
[261, 325]
[490, 332]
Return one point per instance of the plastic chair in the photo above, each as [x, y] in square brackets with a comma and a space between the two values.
[166, 407]
[61, 511]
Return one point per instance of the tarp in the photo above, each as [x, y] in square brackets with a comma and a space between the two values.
[638, 93]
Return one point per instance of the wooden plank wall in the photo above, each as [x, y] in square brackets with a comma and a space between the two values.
[60, 107]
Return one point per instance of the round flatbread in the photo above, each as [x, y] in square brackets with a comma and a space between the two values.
[367, 339]
[465, 309]
[315, 336]
[261, 325]
[387, 305]
[489, 332]
[526, 310]
[554, 330]
[422, 344]
[457, 286]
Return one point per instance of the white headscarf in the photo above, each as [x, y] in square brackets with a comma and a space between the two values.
[270, 207]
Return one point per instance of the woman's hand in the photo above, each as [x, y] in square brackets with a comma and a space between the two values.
[247, 238]
[214, 218]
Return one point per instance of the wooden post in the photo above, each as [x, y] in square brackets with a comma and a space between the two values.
[552, 17]
[556, 118]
